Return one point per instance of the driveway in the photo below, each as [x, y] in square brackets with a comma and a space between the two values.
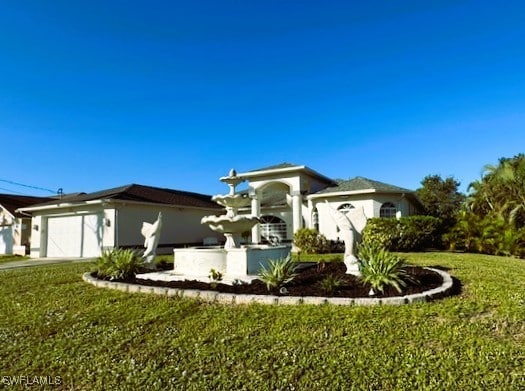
[41, 261]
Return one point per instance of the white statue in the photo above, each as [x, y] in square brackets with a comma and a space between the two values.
[351, 225]
[151, 233]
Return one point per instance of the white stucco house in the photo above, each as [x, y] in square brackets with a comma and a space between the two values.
[285, 197]
[15, 227]
[83, 225]
[288, 197]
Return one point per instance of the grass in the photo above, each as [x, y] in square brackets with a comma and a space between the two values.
[54, 324]
[317, 257]
[12, 258]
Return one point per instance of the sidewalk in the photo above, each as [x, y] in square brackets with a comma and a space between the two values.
[41, 261]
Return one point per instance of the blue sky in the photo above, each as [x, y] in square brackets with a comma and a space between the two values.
[97, 94]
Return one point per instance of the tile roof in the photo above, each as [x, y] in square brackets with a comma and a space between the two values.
[141, 193]
[12, 202]
[360, 183]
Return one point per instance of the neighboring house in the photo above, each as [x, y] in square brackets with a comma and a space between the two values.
[288, 197]
[83, 225]
[15, 227]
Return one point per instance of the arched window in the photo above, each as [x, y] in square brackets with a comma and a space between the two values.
[388, 209]
[273, 227]
[345, 207]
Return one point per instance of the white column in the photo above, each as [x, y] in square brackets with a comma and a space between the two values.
[297, 210]
[256, 211]
[310, 211]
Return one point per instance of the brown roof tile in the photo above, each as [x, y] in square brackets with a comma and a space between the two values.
[12, 202]
[146, 194]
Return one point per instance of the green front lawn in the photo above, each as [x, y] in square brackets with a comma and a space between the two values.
[54, 324]
[12, 258]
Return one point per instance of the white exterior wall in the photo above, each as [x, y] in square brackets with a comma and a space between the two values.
[401, 203]
[327, 225]
[36, 239]
[179, 225]
[7, 232]
[371, 204]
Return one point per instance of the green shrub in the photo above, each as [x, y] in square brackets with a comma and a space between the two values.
[215, 276]
[487, 235]
[311, 242]
[278, 273]
[413, 233]
[380, 268]
[121, 264]
[330, 284]
[381, 231]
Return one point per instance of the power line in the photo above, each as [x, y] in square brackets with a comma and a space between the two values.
[13, 191]
[28, 186]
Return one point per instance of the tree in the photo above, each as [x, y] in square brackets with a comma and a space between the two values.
[441, 198]
[493, 220]
[501, 191]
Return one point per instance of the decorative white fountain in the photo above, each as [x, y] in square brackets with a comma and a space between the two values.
[231, 224]
[234, 261]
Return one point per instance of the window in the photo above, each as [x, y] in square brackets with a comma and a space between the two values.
[345, 208]
[315, 219]
[387, 210]
[273, 227]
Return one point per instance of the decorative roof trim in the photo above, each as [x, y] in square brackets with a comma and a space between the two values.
[107, 201]
[285, 170]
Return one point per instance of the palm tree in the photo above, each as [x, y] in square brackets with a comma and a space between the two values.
[501, 191]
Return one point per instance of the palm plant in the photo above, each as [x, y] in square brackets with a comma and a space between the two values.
[380, 268]
[119, 264]
[330, 283]
[494, 218]
[278, 273]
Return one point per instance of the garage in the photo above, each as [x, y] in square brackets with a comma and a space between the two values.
[74, 236]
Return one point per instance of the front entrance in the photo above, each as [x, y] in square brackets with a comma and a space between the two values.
[273, 227]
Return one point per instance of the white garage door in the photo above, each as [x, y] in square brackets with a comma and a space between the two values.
[74, 236]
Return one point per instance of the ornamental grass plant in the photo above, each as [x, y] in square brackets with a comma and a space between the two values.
[119, 264]
[381, 268]
[278, 273]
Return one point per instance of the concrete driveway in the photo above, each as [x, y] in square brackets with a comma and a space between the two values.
[41, 261]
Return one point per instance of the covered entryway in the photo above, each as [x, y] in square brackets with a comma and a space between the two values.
[292, 180]
[74, 236]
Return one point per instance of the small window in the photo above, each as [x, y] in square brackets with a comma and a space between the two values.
[345, 208]
[388, 210]
[315, 219]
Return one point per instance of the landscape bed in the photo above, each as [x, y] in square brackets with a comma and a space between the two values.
[309, 282]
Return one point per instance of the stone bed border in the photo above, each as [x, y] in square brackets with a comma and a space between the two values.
[233, 298]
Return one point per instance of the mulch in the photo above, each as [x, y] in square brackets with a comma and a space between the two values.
[308, 283]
